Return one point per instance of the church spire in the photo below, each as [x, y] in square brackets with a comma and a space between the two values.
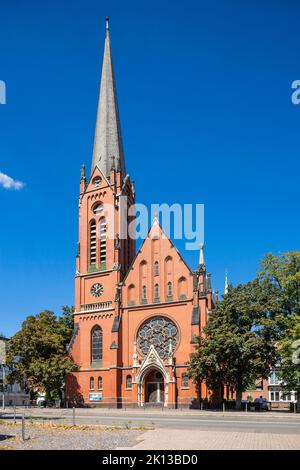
[226, 283]
[108, 140]
[201, 255]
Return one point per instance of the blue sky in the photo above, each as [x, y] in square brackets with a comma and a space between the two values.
[205, 100]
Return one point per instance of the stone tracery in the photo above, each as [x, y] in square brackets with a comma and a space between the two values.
[159, 331]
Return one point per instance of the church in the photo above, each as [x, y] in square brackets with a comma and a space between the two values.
[137, 314]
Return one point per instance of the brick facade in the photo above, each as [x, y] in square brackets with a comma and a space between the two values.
[136, 314]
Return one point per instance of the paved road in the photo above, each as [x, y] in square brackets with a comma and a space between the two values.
[250, 423]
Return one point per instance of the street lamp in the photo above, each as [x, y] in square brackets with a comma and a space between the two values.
[3, 390]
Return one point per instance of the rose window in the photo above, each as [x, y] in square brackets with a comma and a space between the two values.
[159, 331]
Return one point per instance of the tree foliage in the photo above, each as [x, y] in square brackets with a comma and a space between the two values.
[253, 330]
[283, 273]
[289, 365]
[37, 353]
[238, 344]
[67, 322]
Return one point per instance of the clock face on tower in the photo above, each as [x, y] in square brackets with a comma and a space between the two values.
[97, 290]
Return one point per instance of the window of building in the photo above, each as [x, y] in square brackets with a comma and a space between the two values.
[169, 289]
[281, 396]
[160, 331]
[131, 294]
[274, 379]
[98, 208]
[156, 291]
[286, 397]
[92, 384]
[259, 385]
[102, 241]
[93, 243]
[100, 383]
[129, 382]
[184, 381]
[96, 181]
[156, 268]
[144, 293]
[97, 344]
[182, 288]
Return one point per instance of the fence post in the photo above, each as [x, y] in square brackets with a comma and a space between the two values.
[23, 427]
[74, 416]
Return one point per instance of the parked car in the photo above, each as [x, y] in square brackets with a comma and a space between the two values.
[261, 404]
[41, 400]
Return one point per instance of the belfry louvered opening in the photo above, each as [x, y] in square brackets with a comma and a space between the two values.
[102, 241]
[93, 243]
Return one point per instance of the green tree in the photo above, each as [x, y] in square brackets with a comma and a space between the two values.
[289, 364]
[238, 344]
[282, 272]
[67, 322]
[37, 354]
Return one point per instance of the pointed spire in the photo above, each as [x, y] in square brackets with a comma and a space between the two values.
[108, 139]
[208, 282]
[226, 283]
[201, 255]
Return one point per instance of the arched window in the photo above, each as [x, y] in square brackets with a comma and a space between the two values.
[100, 383]
[96, 181]
[98, 208]
[184, 381]
[169, 289]
[97, 345]
[93, 243]
[131, 294]
[182, 290]
[129, 382]
[144, 293]
[156, 291]
[156, 268]
[102, 242]
[92, 383]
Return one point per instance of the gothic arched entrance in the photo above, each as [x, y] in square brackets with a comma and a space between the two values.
[152, 380]
[154, 387]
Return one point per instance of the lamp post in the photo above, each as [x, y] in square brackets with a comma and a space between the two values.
[3, 385]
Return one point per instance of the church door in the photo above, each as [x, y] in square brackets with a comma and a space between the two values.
[155, 392]
[154, 388]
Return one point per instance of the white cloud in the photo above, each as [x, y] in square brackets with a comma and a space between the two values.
[9, 183]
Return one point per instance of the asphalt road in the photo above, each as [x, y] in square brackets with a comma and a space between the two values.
[256, 423]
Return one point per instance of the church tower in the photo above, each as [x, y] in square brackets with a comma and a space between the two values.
[137, 316]
[104, 250]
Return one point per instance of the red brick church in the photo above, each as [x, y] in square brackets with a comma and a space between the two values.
[137, 314]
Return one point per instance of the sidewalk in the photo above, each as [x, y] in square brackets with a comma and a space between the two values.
[143, 412]
[178, 439]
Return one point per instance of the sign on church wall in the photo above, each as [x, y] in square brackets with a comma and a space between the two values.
[95, 396]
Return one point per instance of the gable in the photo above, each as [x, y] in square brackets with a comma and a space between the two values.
[157, 270]
[93, 184]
